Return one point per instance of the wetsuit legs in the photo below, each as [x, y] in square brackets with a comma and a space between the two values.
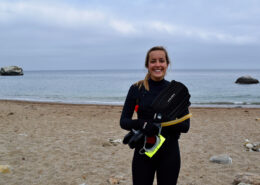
[169, 165]
[143, 170]
[166, 164]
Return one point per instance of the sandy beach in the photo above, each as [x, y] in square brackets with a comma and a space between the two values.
[66, 144]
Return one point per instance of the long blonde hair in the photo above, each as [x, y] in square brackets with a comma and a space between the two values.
[144, 82]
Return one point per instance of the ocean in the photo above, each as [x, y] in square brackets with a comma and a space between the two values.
[213, 88]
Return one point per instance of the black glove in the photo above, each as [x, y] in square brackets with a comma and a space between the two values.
[137, 139]
[151, 128]
[134, 138]
[128, 137]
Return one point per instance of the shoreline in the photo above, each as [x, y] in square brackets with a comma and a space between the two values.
[213, 106]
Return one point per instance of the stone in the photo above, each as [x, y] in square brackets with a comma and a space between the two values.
[252, 146]
[5, 169]
[256, 147]
[247, 178]
[11, 71]
[113, 180]
[118, 179]
[115, 141]
[246, 80]
[249, 145]
[221, 159]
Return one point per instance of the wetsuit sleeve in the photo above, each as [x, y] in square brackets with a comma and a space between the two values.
[126, 121]
[182, 127]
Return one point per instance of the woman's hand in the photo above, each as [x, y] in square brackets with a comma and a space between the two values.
[151, 128]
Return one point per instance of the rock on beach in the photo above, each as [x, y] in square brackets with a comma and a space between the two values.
[221, 159]
[252, 146]
[247, 178]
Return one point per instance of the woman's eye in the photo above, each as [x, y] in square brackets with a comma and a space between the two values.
[152, 61]
[162, 60]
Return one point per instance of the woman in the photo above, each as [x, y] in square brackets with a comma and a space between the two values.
[166, 162]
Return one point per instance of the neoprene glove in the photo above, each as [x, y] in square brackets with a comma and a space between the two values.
[151, 128]
[134, 138]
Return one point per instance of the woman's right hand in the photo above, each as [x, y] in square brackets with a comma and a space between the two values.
[151, 128]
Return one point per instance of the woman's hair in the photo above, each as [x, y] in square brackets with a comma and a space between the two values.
[147, 77]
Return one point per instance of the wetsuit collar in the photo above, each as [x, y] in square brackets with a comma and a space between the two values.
[156, 83]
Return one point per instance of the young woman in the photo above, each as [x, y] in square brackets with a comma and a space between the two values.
[166, 162]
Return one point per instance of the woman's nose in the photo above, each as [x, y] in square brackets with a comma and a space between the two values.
[157, 63]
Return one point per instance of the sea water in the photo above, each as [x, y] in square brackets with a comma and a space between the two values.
[207, 87]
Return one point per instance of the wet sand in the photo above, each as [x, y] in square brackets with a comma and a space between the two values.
[66, 144]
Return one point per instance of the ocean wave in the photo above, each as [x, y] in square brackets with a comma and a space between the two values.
[226, 104]
[120, 101]
[51, 100]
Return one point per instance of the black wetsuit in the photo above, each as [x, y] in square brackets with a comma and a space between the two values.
[166, 162]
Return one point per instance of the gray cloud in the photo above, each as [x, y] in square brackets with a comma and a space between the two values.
[116, 34]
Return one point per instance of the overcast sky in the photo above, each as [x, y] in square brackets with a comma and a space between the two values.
[116, 34]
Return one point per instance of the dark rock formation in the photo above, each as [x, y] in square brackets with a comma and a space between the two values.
[247, 80]
[11, 71]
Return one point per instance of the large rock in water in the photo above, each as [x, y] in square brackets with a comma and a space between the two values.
[11, 70]
[247, 80]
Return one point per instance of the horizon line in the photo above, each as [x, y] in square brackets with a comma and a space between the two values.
[185, 69]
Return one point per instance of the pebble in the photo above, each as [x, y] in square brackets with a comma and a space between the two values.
[221, 159]
[115, 141]
[10, 113]
[113, 180]
[252, 146]
[249, 145]
[5, 169]
[23, 134]
[116, 180]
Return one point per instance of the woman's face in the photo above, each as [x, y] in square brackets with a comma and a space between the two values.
[157, 65]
